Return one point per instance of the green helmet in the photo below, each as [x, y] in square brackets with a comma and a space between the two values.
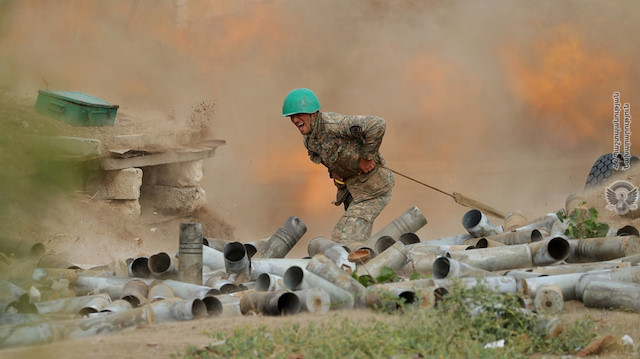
[300, 100]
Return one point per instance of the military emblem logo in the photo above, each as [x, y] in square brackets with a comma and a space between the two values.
[621, 197]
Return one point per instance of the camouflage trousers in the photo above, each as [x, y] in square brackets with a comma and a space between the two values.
[356, 223]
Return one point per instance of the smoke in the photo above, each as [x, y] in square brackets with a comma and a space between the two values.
[506, 102]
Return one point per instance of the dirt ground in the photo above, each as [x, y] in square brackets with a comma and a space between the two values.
[163, 340]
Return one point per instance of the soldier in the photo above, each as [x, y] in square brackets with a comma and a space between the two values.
[348, 146]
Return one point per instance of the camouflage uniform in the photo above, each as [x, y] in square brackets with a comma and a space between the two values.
[338, 142]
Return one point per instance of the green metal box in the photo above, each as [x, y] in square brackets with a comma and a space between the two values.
[76, 108]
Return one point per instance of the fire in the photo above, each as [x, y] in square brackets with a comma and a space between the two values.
[566, 83]
[309, 183]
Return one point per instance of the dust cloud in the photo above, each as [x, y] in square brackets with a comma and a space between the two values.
[508, 102]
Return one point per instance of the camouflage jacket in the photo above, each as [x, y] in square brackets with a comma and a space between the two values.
[339, 141]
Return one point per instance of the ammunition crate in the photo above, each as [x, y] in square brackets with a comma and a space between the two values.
[76, 108]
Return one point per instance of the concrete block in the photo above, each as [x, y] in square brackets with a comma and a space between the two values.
[128, 207]
[170, 199]
[121, 184]
[179, 174]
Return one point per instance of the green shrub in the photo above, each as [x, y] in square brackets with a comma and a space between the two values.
[583, 223]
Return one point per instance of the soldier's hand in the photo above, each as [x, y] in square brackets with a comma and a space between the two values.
[366, 166]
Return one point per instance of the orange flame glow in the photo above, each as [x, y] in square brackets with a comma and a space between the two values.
[566, 83]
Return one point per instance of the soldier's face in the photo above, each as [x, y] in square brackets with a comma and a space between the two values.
[302, 121]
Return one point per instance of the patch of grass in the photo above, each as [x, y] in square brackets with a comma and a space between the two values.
[459, 327]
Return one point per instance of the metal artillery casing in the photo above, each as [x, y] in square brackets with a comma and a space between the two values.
[549, 251]
[440, 249]
[422, 289]
[176, 309]
[66, 305]
[161, 265]
[627, 230]
[139, 267]
[358, 247]
[275, 266]
[320, 245]
[393, 257]
[421, 263]
[542, 224]
[236, 259]
[340, 257]
[213, 305]
[325, 268]
[314, 300]
[254, 246]
[409, 238]
[603, 249]
[229, 304]
[444, 267]
[190, 253]
[224, 286]
[95, 305]
[135, 292]
[159, 291]
[40, 333]
[516, 237]
[211, 277]
[478, 225]
[117, 306]
[496, 258]
[281, 242]
[566, 283]
[631, 260]
[549, 299]
[213, 258]
[410, 221]
[383, 243]
[215, 243]
[629, 274]
[279, 303]
[231, 310]
[7, 302]
[270, 303]
[483, 242]
[109, 285]
[11, 290]
[577, 267]
[296, 278]
[513, 220]
[457, 239]
[522, 274]
[612, 294]
[188, 290]
[500, 284]
[267, 282]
